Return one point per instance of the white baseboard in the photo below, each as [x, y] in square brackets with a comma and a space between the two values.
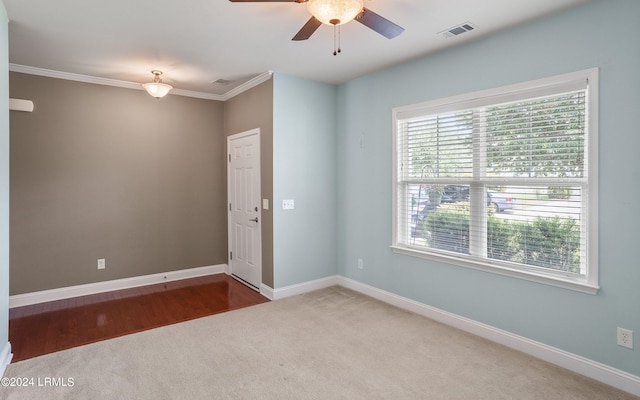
[266, 291]
[5, 358]
[287, 291]
[581, 365]
[26, 299]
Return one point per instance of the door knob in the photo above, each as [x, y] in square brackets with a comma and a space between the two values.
[254, 220]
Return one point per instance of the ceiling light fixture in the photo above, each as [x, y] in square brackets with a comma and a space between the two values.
[335, 12]
[156, 88]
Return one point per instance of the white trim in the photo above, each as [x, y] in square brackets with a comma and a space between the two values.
[528, 89]
[5, 356]
[26, 299]
[603, 373]
[263, 77]
[481, 265]
[266, 291]
[230, 219]
[581, 365]
[588, 281]
[305, 287]
[25, 69]
[593, 124]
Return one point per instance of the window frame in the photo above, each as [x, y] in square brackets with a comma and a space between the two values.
[588, 283]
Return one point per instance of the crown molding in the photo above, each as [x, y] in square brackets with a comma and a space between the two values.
[134, 85]
[263, 77]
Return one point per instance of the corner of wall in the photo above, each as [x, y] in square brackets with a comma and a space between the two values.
[3, 12]
[304, 144]
[5, 354]
[5, 358]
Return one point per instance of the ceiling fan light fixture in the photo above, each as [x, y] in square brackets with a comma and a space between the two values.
[156, 88]
[335, 12]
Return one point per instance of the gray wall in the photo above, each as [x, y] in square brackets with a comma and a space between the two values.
[104, 172]
[249, 110]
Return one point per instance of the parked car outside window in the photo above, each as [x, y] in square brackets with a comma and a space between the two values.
[455, 193]
[500, 201]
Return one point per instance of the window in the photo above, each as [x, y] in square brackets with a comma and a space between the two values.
[503, 180]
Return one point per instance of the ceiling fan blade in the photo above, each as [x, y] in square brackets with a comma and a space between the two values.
[379, 24]
[308, 29]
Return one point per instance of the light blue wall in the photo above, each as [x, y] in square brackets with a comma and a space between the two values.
[4, 180]
[304, 141]
[601, 34]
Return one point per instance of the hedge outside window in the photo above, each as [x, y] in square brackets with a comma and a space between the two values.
[503, 180]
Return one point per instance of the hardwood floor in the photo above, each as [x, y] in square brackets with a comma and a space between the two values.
[48, 327]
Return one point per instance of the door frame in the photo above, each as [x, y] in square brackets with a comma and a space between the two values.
[230, 139]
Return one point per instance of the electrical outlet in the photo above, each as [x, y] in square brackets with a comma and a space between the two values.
[625, 338]
[360, 263]
[102, 263]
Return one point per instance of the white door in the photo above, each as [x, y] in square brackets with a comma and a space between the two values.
[243, 193]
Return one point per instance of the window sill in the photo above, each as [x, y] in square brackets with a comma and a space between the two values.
[547, 279]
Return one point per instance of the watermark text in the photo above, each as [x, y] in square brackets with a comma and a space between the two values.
[41, 381]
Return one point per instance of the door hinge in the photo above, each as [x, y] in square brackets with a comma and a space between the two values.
[231, 255]
[229, 206]
[229, 157]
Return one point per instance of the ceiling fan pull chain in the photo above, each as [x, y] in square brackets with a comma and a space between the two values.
[336, 40]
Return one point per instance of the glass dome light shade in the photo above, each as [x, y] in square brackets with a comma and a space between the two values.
[335, 12]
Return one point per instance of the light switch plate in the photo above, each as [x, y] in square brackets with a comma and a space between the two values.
[265, 204]
[288, 204]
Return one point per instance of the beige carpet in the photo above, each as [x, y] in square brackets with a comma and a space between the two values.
[329, 344]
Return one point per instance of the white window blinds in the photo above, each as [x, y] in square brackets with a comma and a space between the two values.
[501, 179]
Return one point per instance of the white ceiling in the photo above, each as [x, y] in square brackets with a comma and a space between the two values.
[195, 42]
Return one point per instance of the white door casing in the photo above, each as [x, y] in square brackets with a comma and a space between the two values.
[243, 194]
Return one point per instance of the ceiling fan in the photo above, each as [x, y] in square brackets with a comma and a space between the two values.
[338, 12]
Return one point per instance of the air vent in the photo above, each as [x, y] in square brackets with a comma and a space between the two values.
[458, 30]
[221, 82]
